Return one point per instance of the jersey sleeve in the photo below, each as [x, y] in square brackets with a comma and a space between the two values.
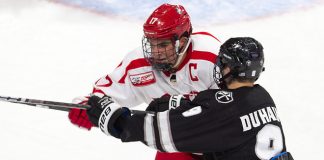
[116, 84]
[190, 128]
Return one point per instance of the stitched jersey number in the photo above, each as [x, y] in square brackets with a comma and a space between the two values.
[269, 142]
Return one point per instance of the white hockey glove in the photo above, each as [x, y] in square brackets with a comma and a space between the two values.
[104, 113]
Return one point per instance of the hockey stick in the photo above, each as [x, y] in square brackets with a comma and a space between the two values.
[61, 106]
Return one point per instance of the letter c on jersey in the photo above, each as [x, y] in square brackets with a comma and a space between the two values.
[193, 66]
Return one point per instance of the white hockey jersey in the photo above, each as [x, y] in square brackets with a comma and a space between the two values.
[134, 81]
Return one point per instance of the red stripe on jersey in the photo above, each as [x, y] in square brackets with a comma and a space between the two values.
[207, 56]
[106, 84]
[206, 33]
[198, 55]
[119, 64]
[97, 91]
[137, 63]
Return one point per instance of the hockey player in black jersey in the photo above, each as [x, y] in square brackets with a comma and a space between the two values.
[238, 122]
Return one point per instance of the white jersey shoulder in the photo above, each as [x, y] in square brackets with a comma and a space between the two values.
[204, 41]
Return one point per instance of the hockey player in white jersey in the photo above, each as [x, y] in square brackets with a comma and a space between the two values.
[171, 61]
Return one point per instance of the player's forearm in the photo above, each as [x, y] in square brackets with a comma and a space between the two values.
[131, 128]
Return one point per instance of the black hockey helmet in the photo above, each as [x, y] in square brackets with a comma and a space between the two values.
[243, 55]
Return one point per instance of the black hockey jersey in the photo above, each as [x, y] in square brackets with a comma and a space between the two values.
[239, 124]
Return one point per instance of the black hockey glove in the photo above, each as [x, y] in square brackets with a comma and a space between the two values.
[105, 114]
[166, 103]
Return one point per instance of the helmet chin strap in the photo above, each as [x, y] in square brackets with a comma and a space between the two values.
[182, 53]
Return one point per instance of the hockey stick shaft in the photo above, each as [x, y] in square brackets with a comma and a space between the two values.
[62, 106]
[44, 104]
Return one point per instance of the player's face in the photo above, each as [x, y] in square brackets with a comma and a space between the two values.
[163, 51]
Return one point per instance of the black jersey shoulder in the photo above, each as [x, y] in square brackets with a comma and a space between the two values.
[243, 96]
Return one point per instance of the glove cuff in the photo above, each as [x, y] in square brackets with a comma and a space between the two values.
[105, 117]
[175, 101]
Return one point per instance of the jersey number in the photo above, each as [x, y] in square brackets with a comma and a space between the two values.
[269, 142]
[153, 20]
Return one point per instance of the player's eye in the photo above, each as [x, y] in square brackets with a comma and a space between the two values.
[163, 44]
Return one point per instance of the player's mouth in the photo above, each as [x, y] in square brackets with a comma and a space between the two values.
[161, 60]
